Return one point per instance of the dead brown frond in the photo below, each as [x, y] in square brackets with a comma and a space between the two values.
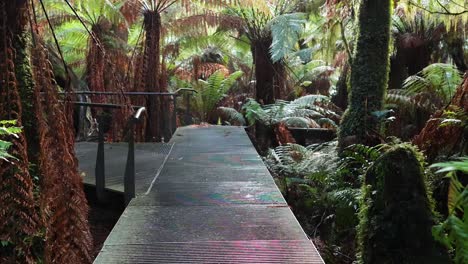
[436, 139]
[63, 203]
[18, 217]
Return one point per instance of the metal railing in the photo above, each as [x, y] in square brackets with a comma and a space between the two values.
[100, 168]
[187, 92]
[130, 172]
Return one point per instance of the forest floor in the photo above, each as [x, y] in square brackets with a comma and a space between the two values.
[102, 219]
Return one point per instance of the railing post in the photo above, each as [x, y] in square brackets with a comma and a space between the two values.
[174, 114]
[100, 169]
[129, 177]
[187, 117]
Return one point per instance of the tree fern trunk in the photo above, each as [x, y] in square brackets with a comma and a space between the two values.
[151, 73]
[279, 80]
[18, 217]
[369, 73]
[264, 71]
[95, 65]
[63, 202]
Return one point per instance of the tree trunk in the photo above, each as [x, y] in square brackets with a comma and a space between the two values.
[340, 99]
[264, 71]
[369, 74]
[457, 53]
[151, 73]
[396, 218]
[18, 216]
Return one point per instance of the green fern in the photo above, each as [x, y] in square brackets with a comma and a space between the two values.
[453, 232]
[7, 128]
[307, 111]
[211, 91]
[231, 115]
[286, 31]
[438, 78]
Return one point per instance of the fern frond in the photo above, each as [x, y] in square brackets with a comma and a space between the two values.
[286, 30]
[310, 100]
[211, 91]
[438, 78]
[232, 116]
[296, 122]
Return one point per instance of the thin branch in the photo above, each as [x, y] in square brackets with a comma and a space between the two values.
[439, 12]
[67, 72]
[443, 7]
[345, 42]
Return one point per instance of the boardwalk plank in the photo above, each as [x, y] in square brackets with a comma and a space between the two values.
[213, 202]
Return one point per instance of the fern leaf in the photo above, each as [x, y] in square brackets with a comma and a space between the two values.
[232, 115]
[286, 30]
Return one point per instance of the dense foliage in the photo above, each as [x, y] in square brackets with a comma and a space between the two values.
[294, 73]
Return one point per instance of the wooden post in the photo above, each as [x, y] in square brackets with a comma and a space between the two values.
[100, 169]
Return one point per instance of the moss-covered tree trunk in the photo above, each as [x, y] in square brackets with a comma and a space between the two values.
[369, 73]
[396, 215]
[26, 90]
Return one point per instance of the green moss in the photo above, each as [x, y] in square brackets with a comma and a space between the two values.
[369, 71]
[396, 213]
[26, 90]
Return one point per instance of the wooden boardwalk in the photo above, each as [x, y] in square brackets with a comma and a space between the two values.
[213, 201]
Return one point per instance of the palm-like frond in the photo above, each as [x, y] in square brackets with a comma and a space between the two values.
[232, 116]
[211, 91]
[310, 100]
[438, 78]
[7, 128]
[90, 12]
[286, 30]
[300, 162]
[304, 112]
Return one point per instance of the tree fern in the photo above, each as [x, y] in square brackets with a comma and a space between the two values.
[453, 232]
[296, 121]
[310, 100]
[438, 78]
[211, 91]
[286, 30]
[231, 115]
[303, 112]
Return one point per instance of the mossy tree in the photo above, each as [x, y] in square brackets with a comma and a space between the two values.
[369, 73]
[396, 214]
